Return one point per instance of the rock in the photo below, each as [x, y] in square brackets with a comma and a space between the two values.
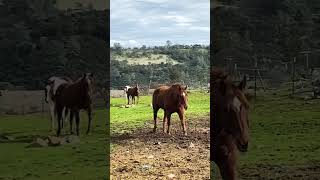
[191, 145]
[145, 167]
[10, 138]
[53, 141]
[72, 139]
[63, 141]
[171, 176]
[38, 142]
[150, 157]
[157, 143]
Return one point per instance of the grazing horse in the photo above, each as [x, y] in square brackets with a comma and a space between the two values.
[52, 85]
[75, 96]
[133, 92]
[170, 99]
[230, 125]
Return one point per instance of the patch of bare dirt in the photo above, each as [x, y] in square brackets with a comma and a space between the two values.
[147, 155]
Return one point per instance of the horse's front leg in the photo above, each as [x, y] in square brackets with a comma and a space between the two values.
[77, 115]
[155, 115]
[71, 121]
[59, 118]
[169, 122]
[164, 121]
[52, 114]
[183, 121]
[89, 118]
[128, 97]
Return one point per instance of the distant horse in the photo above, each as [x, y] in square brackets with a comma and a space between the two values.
[125, 89]
[133, 92]
[75, 96]
[52, 85]
[230, 123]
[170, 99]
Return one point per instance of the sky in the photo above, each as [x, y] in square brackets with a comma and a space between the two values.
[152, 22]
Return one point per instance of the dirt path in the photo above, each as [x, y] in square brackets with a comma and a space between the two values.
[146, 155]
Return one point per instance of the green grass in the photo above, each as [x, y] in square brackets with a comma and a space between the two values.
[284, 132]
[126, 119]
[86, 160]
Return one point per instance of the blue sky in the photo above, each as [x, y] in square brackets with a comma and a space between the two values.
[152, 22]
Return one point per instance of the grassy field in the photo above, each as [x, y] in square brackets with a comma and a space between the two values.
[153, 59]
[85, 160]
[128, 119]
[285, 139]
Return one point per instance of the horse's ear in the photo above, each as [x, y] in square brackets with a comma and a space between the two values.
[186, 87]
[243, 83]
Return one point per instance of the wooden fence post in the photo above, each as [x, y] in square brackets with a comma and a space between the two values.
[255, 80]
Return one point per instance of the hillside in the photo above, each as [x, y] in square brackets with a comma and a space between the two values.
[160, 65]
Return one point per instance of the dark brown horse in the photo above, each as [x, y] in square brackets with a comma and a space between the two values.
[170, 99]
[75, 96]
[230, 125]
[133, 92]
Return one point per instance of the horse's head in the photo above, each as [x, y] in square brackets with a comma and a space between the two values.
[88, 81]
[235, 108]
[48, 89]
[182, 96]
[88, 78]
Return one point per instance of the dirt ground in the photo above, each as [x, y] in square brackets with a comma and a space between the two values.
[146, 155]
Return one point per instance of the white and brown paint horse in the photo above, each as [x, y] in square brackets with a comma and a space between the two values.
[75, 96]
[52, 84]
[133, 92]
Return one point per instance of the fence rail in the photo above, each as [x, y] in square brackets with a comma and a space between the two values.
[25, 102]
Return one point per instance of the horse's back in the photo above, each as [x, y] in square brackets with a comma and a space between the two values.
[158, 97]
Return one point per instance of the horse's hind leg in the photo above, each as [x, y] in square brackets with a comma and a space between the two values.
[77, 114]
[183, 121]
[155, 115]
[89, 119]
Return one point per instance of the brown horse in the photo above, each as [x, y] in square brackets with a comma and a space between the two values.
[170, 99]
[230, 127]
[133, 92]
[75, 96]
